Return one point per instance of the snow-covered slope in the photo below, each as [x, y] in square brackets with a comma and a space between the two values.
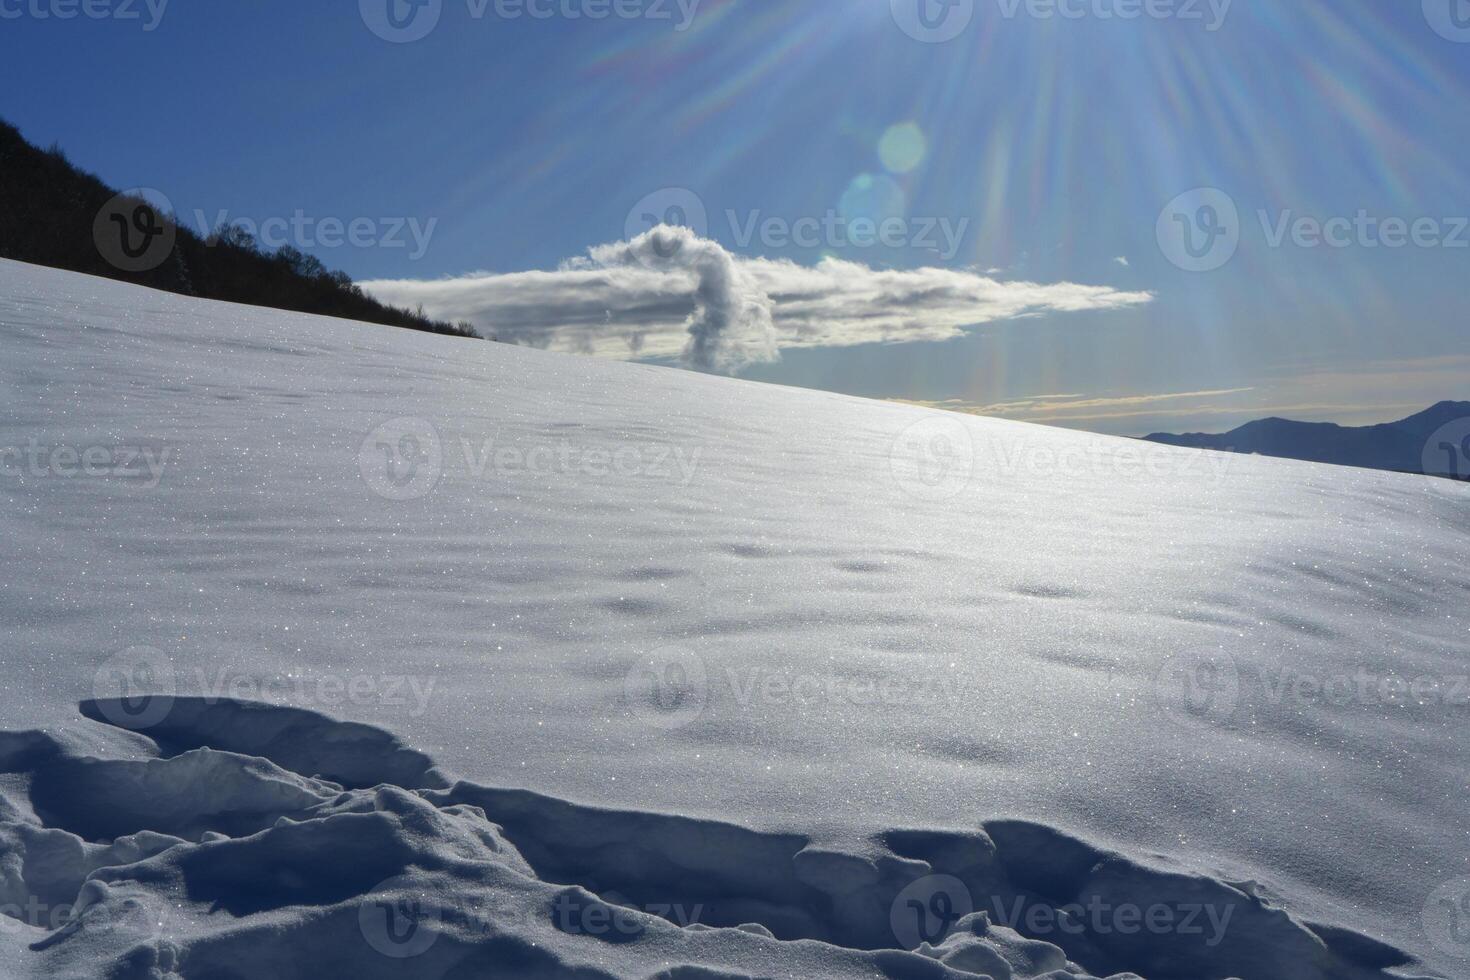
[833, 669]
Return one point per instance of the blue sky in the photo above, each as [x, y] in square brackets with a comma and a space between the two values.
[1026, 167]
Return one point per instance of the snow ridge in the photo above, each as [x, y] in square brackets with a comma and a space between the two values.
[251, 840]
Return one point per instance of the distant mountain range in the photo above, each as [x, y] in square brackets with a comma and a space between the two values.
[1418, 444]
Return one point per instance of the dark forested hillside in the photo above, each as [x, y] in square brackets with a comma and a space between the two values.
[53, 214]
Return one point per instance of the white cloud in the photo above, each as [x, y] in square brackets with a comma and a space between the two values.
[1076, 407]
[670, 294]
[731, 324]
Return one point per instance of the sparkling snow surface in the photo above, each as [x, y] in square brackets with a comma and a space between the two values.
[865, 616]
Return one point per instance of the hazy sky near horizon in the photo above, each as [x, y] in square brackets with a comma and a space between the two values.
[987, 205]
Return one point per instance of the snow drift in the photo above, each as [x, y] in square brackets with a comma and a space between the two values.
[215, 864]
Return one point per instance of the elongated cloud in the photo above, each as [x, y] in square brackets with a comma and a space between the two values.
[670, 294]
